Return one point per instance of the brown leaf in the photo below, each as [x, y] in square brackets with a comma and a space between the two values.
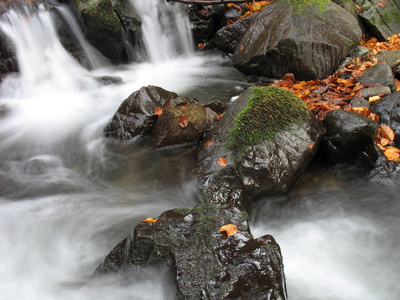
[183, 121]
[392, 153]
[381, 3]
[241, 47]
[384, 141]
[386, 132]
[158, 111]
[219, 116]
[230, 229]
[222, 162]
[311, 146]
[209, 143]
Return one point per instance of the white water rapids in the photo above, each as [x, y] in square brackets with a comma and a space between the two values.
[67, 196]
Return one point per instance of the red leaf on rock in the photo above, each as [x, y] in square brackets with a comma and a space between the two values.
[158, 111]
[209, 143]
[183, 121]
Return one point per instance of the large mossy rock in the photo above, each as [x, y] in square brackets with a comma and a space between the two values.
[382, 19]
[267, 137]
[309, 43]
[108, 26]
[206, 264]
[135, 116]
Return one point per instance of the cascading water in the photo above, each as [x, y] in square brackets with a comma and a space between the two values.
[67, 196]
[165, 30]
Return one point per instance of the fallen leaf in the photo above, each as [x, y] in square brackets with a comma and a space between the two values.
[158, 111]
[361, 110]
[381, 3]
[149, 220]
[222, 162]
[311, 146]
[209, 143]
[392, 153]
[219, 116]
[241, 47]
[230, 229]
[183, 107]
[386, 132]
[373, 99]
[183, 121]
[200, 45]
[384, 141]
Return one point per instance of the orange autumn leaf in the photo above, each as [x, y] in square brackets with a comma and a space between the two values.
[219, 116]
[361, 110]
[230, 229]
[222, 162]
[392, 153]
[386, 132]
[158, 111]
[209, 143]
[311, 146]
[384, 141]
[200, 45]
[241, 47]
[183, 121]
[149, 220]
[381, 3]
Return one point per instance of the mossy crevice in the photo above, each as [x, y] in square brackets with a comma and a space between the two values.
[269, 110]
[299, 5]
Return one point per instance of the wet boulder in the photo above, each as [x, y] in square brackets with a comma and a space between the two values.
[382, 19]
[205, 20]
[206, 263]
[182, 124]
[227, 38]
[8, 60]
[260, 147]
[388, 110]
[381, 75]
[135, 116]
[108, 25]
[347, 135]
[309, 43]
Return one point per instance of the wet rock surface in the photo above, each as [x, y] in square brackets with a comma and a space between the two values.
[269, 166]
[135, 116]
[380, 74]
[308, 44]
[207, 264]
[182, 124]
[347, 134]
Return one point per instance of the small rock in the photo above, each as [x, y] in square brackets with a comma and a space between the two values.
[380, 74]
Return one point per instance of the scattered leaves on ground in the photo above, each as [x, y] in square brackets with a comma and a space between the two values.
[230, 229]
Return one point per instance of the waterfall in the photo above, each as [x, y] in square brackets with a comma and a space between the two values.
[165, 29]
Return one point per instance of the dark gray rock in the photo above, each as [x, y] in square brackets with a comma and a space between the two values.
[135, 116]
[205, 20]
[109, 26]
[391, 57]
[380, 74]
[8, 60]
[286, 138]
[227, 38]
[206, 263]
[347, 134]
[382, 20]
[310, 44]
[375, 91]
[169, 130]
[388, 110]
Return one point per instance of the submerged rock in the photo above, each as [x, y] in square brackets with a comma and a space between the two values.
[310, 43]
[207, 264]
[267, 137]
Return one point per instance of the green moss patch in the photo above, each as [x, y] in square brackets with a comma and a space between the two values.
[269, 110]
[298, 5]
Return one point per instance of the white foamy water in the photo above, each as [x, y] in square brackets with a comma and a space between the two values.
[67, 197]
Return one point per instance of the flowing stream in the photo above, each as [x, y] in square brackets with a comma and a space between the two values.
[68, 195]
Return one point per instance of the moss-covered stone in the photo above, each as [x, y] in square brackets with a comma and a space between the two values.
[269, 110]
